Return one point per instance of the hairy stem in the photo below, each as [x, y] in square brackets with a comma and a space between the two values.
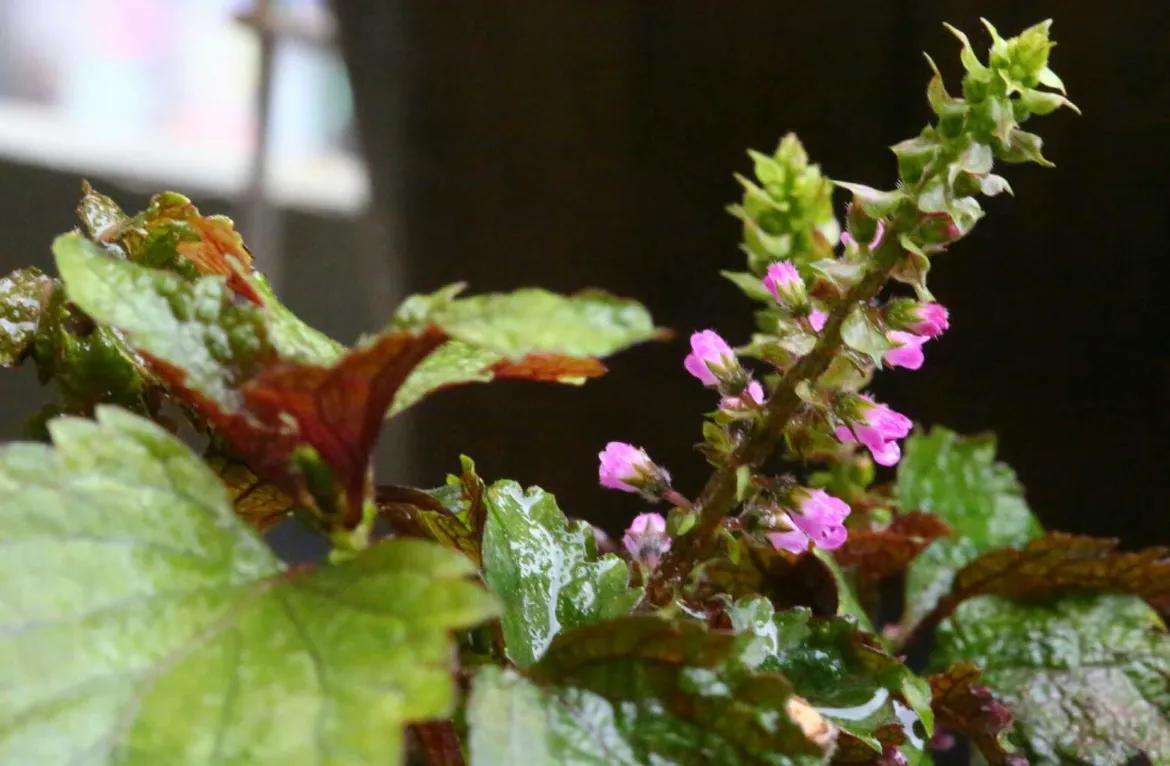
[718, 496]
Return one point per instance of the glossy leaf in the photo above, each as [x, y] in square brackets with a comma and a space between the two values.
[457, 363]
[171, 234]
[196, 327]
[747, 568]
[453, 516]
[1085, 676]
[23, 296]
[958, 479]
[544, 571]
[89, 364]
[143, 623]
[643, 690]
[590, 323]
[215, 354]
[962, 705]
[845, 675]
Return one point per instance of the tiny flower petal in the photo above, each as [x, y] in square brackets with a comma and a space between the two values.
[710, 355]
[790, 539]
[930, 319]
[646, 539]
[753, 396]
[907, 351]
[817, 319]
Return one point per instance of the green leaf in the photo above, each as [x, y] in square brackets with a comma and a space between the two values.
[293, 339]
[749, 284]
[642, 690]
[844, 674]
[1085, 676]
[452, 364]
[958, 479]
[542, 568]
[198, 327]
[513, 721]
[142, 623]
[23, 295]
[531, 320]
[863, 333]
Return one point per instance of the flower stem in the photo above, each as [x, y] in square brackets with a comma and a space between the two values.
[718, 496]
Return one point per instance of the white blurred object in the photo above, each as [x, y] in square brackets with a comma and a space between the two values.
[163, 93]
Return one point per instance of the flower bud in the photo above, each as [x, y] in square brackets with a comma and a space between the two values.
[929, 319]
[628, 468]
[783, 281]
[646, 539]
[712, 361]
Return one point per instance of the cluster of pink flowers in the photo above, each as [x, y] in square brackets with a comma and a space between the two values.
[810, 516]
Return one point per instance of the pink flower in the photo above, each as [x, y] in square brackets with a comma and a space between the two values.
[710, 358]
[817, 519]
[790, 538]
[820, 515]
[627, 468]
[877, 427]
[785, 284]
[752, 396]
[907, 350]
[929, 319]
[646, 539]
[817, 319]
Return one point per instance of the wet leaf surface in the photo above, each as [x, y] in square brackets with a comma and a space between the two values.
[958, 479]
[642, 690]
[962, 705]
[23, 296]
[845, 674]
[144, 623]
[1086, 676]
[546, 572]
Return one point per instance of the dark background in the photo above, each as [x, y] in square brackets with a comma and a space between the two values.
[592, 143]
[572, 144]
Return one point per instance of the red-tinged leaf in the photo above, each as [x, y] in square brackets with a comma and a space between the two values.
[415, 513]
[171, 225]
[962, 705]
[1060, 562]
[881, 553]
[549, 367]
[257, 501]
[435, 743]
[337, 410]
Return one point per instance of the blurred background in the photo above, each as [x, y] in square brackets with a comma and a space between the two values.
[376, 148]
